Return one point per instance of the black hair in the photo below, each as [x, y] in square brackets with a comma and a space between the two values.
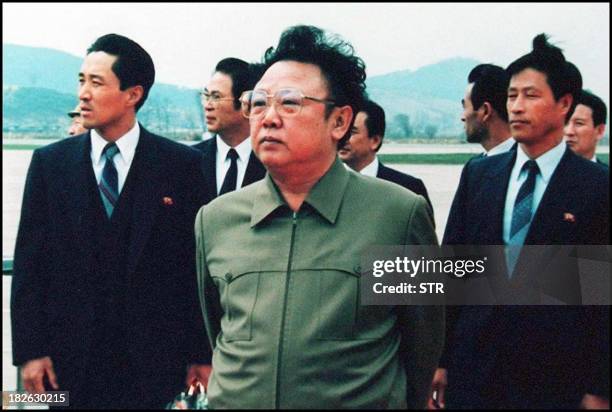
[562, 76]
[257, 71]
[343, 71]
[242, 76]
[375, 120]
[597, 106]
[133, 67]
[490, 85]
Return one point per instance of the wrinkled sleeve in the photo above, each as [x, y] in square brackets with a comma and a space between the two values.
[207, 290]
[28, 316]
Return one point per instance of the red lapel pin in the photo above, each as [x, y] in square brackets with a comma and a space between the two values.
[168, 201]
[568, 217]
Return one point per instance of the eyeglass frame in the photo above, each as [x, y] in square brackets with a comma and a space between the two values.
[269, 96]
[213, 99]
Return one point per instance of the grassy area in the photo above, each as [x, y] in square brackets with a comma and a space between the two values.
[442, 158]
[605, 157]
[402, 158]
[445, 158]
[427, 158]
[20, 146]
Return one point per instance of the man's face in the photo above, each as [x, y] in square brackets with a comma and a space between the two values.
[304, 140]
[475, 130]
[103, 105]
[76, 127]
[360, 148]
[221, 116]
[534, 114]
[581, 134]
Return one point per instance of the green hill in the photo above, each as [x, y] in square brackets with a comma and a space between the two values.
[35, 110]
[41, 68]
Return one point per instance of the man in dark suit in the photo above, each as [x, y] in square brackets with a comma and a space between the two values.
[359, 152]
[229, 162]
[104, 301]
[587, 126]
[530, 356]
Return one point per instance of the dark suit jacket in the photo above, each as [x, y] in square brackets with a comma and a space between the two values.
[528, 356]
[54, 297]
[403, 179]
[255, 169]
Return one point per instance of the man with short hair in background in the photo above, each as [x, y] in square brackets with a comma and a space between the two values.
[587, 126]
[484, 114]
[359, 152]
[229, 162]
[279, 261]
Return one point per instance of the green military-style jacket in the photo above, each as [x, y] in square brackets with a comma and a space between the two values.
[280, 297]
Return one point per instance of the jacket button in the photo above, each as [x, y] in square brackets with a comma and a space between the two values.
[228, 276]
[357, 269]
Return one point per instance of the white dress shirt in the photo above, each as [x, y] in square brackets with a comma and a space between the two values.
[223, 163]
[371, 169]
[547, 163]
[503, 147]
[123, 159]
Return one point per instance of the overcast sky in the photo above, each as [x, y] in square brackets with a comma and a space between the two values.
[186, 40]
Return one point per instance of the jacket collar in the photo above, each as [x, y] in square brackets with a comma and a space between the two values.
[325, 197]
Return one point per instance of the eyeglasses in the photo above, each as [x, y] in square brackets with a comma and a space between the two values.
[287, 102]
[214, 99]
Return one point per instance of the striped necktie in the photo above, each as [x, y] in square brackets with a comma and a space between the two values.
[109, 187]
[522, 214]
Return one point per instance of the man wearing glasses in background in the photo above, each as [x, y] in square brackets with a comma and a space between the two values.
[279, 261]
[587, 126]
[228, 160]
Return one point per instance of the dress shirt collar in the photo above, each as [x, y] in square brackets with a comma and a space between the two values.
[503, 147]
[547, 162]
[325, 196]
[594, 158]
[371, 169]
[243, 149]
[126, 144]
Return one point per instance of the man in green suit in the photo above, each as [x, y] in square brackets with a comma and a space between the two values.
[279, 261]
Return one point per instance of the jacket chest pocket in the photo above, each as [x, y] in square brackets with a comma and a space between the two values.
[238, 292]
[340, 313]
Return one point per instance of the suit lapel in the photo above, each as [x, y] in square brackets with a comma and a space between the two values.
[382, 171]
[255, 171]
[80, 178]
[547, 228]
[557, 199]
[146, 173]
[492, 197]
[209, 167]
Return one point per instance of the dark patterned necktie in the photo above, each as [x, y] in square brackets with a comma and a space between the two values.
[109, 186]
[521, 214]
[229, 184]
